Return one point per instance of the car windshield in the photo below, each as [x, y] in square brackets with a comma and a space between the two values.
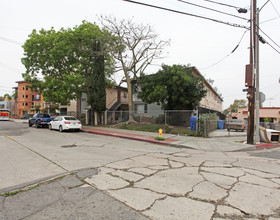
[70, 119]
[43, 116]
[236, 121]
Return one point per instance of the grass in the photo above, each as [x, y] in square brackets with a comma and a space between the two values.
[12, 193]
[159, 138]
[155, 127]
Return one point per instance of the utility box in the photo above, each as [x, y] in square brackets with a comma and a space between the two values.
[249, 75]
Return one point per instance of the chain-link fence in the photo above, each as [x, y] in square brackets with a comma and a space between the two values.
[270, 125]
[170, 117]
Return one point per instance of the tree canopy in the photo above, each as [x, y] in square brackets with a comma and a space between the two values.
[60, 64]
[237, 103]
[136, 47]
[174, 87]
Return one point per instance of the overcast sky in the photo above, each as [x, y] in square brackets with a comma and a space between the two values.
[201, 43]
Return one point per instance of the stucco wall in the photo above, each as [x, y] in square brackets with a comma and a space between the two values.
[265, 112]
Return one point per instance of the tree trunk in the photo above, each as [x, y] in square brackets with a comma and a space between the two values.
[95, 118]
[130, 100]
[91, 116]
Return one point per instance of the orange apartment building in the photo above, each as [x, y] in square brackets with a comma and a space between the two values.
[27, 100]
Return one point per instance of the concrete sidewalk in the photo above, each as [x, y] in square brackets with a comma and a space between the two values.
[221, 143]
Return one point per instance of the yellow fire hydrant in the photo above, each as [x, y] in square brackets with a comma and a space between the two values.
[160, 133]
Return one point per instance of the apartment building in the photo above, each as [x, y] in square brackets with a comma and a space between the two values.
[27, 101]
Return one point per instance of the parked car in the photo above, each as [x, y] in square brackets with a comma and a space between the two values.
[40, 120]
[236, 124]
[63, 123]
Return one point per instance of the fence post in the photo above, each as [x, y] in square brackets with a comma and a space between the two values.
[165, 117]
[205, 127]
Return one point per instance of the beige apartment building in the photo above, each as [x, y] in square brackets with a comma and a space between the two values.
[212, 100]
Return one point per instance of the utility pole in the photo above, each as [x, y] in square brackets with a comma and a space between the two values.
[257, 97]
[251, 73]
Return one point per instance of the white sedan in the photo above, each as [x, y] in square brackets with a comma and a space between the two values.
[62, 123]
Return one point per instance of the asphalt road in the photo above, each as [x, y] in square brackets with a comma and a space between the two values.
[54, 164]
[75, 175]
[32, 154]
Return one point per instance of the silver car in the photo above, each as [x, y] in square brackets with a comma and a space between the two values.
[63, 123]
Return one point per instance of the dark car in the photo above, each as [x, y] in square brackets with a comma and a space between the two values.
[40, 120]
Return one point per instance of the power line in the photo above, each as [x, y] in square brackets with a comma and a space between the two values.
[193, 15]
[227, 54]
[269, 20]
[211, 9]
[273, 48]
[274, 8]
[9, 67]
[263, 5]
[269, 37]
[10, 41]
[219, 3]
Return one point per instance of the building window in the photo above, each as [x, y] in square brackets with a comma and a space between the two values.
[26, 104]
[37, 97]
[26, 88]
[26, 96]
[22, 88]
[124, 95]
[22, 96]
[141, 108]
[22, 104]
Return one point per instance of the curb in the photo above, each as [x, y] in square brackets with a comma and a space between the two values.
[126, 137]
[267, 146]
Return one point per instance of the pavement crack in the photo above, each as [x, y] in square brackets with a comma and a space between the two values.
[156, 200]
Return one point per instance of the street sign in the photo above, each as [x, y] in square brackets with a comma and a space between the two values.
[262, 97]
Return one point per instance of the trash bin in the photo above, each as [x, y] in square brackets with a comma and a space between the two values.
[193, 123]
[221, 124]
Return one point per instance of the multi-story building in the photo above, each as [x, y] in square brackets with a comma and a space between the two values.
[116, 99]
[27, 101]
[212, 102]
[267, 114]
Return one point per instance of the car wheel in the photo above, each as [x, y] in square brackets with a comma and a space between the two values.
[50, 126]
[37, 125]
[60, 128]
[29, 124]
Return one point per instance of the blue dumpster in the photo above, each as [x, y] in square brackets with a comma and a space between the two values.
[221, 124]
[193, 122]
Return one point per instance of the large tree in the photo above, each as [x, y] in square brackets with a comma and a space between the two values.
[137, 46]
[68, 60]
[174, 87]
[237, 103]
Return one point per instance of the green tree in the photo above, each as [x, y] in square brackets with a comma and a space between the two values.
[136, 47]
[15, 94]
[8, 96]
[237, 103]
[66, 60]
[174, 87]
[96, 85]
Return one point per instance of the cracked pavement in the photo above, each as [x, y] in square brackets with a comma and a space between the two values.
[194, 185]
